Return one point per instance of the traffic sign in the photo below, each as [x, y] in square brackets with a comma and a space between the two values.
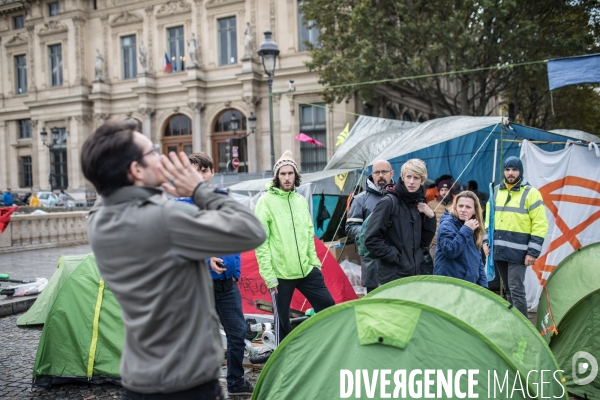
[235, 163]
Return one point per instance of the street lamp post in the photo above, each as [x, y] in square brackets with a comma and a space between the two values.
[268, 51]
[55, 133]
[251, 123]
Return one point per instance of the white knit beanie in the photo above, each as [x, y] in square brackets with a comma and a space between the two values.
[286, 159]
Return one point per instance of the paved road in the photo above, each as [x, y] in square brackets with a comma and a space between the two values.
[18, 346]
[17, 355]
[36, 263]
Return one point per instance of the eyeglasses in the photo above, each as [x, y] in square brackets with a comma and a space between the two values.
[382, 172]
[155, 149]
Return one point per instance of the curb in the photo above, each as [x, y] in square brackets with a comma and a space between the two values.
[15, 305]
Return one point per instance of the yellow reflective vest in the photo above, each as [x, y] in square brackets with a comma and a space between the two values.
[520, 223]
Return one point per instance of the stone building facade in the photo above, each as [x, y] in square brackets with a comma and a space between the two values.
[182, 68]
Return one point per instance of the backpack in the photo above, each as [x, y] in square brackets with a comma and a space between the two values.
[360, 238]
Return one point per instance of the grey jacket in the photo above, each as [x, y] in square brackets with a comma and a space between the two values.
[361, 207]
[151, 252]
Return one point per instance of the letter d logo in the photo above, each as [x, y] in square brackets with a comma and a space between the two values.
[582, 367]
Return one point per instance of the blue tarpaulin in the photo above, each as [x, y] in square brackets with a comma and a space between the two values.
[452, 156]
[574, 70]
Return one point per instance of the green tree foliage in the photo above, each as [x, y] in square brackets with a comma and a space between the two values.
[371, 40]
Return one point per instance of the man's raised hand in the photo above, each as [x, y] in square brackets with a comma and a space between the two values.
[180, 173]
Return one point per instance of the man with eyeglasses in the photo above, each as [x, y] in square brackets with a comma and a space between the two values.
[361, 207]
[151, 253]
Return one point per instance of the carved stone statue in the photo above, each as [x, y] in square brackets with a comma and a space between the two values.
[98, 66]
[248, 41]
[193, 50]
[143, 55]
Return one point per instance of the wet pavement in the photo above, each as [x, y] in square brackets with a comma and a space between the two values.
[17, 356]
[18, 346]
[37, 263]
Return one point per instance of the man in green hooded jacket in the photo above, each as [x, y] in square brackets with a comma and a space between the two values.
[288, 260]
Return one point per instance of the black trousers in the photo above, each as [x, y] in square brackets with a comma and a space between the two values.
[312, 286]
[207, 391]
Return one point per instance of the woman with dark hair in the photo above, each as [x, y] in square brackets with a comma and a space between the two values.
[459, 241]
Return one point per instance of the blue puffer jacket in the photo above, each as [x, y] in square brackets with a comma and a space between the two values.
[456, 254]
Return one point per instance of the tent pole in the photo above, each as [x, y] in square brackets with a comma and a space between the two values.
[501, 177]
[495, 159]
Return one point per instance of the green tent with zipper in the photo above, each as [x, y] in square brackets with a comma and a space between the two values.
[569, 318]
[37, 313]
[83, 333]
[414, 338]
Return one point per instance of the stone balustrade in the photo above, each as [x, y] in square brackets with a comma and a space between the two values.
[29, 232]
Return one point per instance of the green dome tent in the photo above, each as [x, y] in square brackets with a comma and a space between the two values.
[491, 316]
[83, 333]
[377, 346]
[570, 305]
[38, 312]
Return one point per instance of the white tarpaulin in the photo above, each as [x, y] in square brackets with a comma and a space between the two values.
[372, 139]
[569, 181]
[368, 138]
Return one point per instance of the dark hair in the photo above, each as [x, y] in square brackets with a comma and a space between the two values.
[473, 185]
[107, 155]
[201, 160]
[297, 179]
[445, 177]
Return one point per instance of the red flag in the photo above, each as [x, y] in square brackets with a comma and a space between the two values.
[305, 138]
[168, 64]
[5, 216]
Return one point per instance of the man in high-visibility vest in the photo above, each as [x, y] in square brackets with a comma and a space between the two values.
[519, 231]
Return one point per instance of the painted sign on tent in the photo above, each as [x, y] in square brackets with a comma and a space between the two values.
[569, 181]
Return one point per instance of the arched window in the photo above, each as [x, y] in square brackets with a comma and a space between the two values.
[223, 124]
[177, 135]
[406, 116]
[422, 118]
[179, 125]
[229, 143]
[389, 113]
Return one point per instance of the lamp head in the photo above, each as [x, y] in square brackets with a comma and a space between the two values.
[268, 51]
[252, 122]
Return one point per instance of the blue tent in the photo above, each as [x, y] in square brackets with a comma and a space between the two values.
[445, 144]
[452, 156]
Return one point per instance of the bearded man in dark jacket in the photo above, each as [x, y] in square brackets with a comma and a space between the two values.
[361, 207]
[398, 238]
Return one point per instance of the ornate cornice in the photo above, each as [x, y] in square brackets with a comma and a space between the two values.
[16, 40]
[52, 27]
[101, 117]
[146, 112]
[251, 100]
[126, 18]
[217, 3]
[196, 106]
[83, 118]
[173, 7]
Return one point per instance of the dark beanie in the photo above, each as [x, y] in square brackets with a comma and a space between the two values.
[444, 184]
[516, 163]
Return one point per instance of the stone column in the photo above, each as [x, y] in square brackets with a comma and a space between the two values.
[196, 126]
[4, 176]
[44, 160]
[35, 161]
[252, 102]
[147, 113]
[80, 131]
[100, 118]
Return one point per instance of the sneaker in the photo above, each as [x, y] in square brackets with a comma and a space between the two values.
[261, 357]
[245, 389]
